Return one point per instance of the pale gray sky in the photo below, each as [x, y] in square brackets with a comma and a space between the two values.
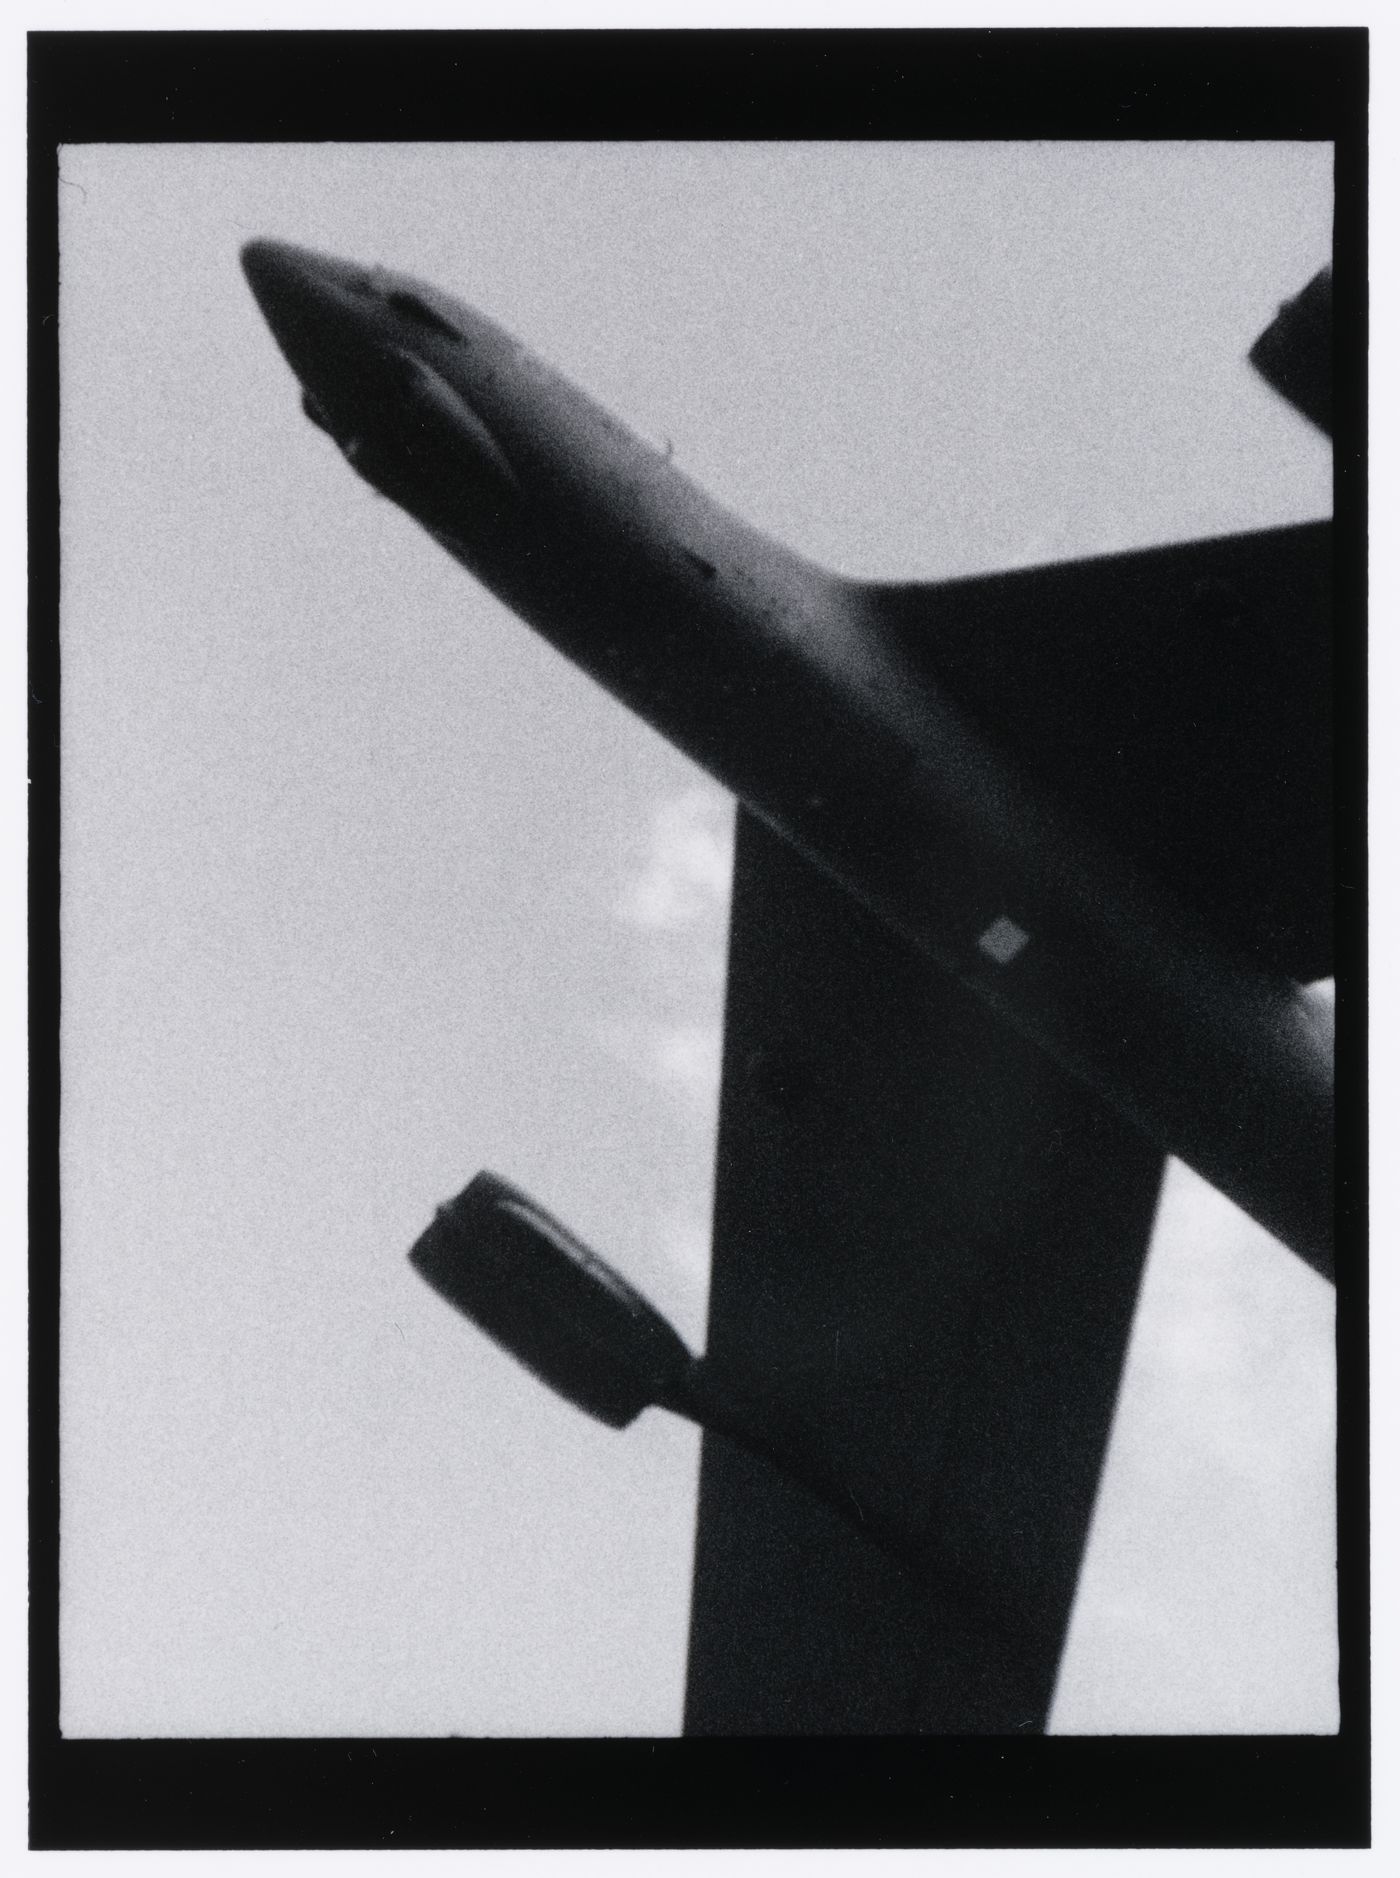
[364, 888]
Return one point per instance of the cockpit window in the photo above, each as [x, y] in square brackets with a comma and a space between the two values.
[420, 311]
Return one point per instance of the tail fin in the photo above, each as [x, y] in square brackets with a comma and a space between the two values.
[1294, 353]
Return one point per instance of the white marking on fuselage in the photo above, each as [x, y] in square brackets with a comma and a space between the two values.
[1003, 940]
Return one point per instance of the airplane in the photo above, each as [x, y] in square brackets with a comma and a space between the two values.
[1033, 873]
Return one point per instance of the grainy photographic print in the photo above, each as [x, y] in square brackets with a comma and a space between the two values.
[368, 888]
[728, 744]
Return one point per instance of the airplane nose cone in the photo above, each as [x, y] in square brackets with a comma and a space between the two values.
[288, 281]
[289, 287]
[273, 270]
[262, 260]
[322, 312]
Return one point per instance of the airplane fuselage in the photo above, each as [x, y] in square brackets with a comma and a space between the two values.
[781, 679]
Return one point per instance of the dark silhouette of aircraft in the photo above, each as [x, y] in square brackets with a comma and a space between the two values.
[1032, 873]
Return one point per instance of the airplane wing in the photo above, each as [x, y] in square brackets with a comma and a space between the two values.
[929, 1241]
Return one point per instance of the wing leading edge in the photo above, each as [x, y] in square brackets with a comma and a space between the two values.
[928, 1242]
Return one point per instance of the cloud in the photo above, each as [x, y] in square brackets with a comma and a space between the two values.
[688, 870]
[669, 1029]
[681, 1238]
[681, 1056]
[665, 1028]
[687, 1057]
